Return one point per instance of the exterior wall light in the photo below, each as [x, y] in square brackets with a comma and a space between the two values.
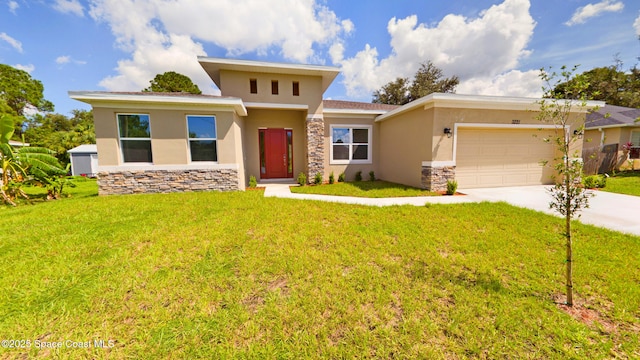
[577, 133]
[447, 131]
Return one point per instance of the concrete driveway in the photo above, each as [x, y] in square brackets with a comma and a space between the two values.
[613, 211]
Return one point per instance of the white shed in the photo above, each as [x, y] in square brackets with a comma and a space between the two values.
[84, 160]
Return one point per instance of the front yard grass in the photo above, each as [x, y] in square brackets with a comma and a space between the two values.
[237, 275]
[369, 189]
[627, 182]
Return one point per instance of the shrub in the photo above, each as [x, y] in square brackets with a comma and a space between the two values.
[372, 176]
[594, 182]
[341, 177]
[302, 179]
[318, 179]
[332, 178]
[253, 182]
[452, 186]
[359, 176]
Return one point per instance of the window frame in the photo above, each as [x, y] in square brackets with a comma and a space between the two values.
[275, 87]
[295, 88]
[190, 139]
[120, 138]
[634, 151]
[253, 86]
[351, 144]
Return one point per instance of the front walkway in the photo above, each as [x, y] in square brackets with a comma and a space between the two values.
[612, 211]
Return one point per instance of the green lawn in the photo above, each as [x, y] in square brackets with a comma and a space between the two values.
[627, 182]
[370, 189]
[237, 275]
[84, 187]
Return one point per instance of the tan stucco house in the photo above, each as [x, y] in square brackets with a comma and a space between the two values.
[271, 122]
[607, 133]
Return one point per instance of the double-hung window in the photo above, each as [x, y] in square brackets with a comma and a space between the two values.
[350, 144]
[202, 137]
[135, 138]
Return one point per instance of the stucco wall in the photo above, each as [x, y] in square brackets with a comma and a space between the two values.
[405, 142]
[236, 83]
[351, 169]
[169, 144]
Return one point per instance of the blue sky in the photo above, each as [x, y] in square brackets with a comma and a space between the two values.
[495, 47]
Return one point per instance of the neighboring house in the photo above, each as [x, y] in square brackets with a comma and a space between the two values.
[607, 131]
[272, 122]
[84, 160]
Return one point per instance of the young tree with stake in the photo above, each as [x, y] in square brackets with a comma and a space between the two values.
[563, 109]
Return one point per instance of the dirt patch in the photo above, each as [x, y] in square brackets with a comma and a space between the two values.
[585, 313]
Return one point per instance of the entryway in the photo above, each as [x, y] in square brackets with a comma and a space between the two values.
[276, 153]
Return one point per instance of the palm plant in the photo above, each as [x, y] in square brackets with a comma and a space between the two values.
[25, 163]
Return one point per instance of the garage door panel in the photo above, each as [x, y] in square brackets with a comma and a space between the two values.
[501, 157]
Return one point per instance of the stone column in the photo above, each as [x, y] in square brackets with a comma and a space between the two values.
[436, 174]
[315, 146]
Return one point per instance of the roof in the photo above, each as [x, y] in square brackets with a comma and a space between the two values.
[355, 105]
[461, 101]
[84, 149]
[213, 66]
[158, 100]
[613, 116]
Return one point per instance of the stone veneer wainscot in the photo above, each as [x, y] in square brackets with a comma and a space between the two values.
[166, 181]
[434, 178]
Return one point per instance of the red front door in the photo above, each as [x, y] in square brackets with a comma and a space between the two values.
[276, 153]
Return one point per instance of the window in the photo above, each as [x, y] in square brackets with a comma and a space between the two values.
[296, 88]
[202, 137]
[634, 152]
[135, 138]
[274, 87]
[253, 86]
[350, 144]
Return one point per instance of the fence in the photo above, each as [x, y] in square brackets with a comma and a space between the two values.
[600, 159]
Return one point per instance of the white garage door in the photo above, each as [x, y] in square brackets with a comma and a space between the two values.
[501, 157]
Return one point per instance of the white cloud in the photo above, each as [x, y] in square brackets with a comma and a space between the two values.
[168, 35]
[11, 41]
[69, 6]
[512, 83]
[13, 6]
[586, 12]
[65, 59]
[28, 68]
[476, 50]
[636, 25]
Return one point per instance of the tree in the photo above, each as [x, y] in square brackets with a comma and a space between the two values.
[18, 90]
[428, 79]
[557, 108]
[171, 81]
[609, 84]
[22, 164]
[59, 133]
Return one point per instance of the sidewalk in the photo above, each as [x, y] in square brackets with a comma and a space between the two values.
[283, 191]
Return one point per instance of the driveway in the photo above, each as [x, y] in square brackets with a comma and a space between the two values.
[613, 211]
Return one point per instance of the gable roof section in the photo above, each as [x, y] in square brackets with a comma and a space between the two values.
[613, 116]
[213, 66]
[159, 100]
[459, 101]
